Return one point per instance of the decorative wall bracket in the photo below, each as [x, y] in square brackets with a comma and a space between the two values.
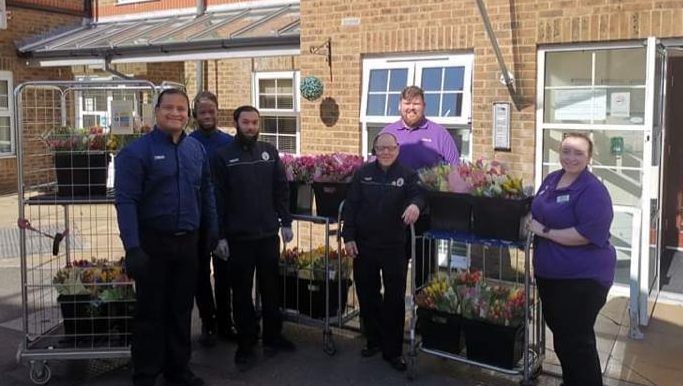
[324, 49]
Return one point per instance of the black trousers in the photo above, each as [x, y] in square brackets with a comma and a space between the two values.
[261, 256]
[383, 315]
[570, 308]
[219, 312]
[425, 263]
[164, 291]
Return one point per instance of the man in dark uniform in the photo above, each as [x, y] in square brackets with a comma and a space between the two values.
[163, 193]
[384, 197]
[253, 203]
[216, 316]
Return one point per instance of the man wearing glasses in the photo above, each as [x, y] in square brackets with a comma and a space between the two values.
[383, 199]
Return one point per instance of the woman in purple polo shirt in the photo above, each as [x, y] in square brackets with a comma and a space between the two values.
[573, 260]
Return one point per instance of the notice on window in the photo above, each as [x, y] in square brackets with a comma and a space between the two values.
[620, 104]
[580, 105]
[122, 117]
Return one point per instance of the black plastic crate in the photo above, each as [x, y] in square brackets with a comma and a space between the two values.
[450, 211]
[300, 198]
[328, 197]
[439, 330]
[308, 296]
[499, 218]
[81, 173]
[493, 344]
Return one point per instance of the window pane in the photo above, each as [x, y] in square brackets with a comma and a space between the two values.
[432, 105]
[399, 80]
[287, 144]
[624, 67]
[4, 94]
[267, 86]
[393, 104]
[270, 138]
[378, 80]
[373, 130]
[624, 106]
[568, 68]
[267, 102]
[5, 135]
[269, 125]
[451, 105]
[285, 102]
[91, 120]
[287, 125]
[431, 79]
[462, 141]
[284, 86]
[376, 104]
[454, 78]
[575, 105]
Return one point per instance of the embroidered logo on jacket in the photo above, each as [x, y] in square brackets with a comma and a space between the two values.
[159, 157]
[398, 182]
[265, 156]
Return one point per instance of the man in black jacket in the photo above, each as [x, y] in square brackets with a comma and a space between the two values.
[252, 201]
[383, 199]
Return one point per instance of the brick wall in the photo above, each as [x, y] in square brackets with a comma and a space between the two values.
[403, 26]
[108, 8]
[21, 23]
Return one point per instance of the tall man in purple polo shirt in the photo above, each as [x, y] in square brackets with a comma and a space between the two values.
[423, 144]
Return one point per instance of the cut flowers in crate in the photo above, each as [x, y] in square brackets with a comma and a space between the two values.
[480, 178]
[335, 167]
[468, 294]
[69, 139]
[102, 279]
[311, 264]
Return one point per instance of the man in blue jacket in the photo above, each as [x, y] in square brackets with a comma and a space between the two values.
[163, 194]
[253, 203]
[216, 316]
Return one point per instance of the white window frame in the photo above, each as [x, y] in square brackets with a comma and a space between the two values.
[8, 111]
[415, 64]
[268, 112]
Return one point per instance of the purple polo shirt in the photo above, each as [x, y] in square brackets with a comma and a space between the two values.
[427, 145]
[586, 206]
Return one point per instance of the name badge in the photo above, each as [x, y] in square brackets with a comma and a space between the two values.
[563, 198]
[426, 140]
[159, 157]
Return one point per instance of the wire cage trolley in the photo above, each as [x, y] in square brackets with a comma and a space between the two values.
[500, 264]
[77, 302]
[316, 283]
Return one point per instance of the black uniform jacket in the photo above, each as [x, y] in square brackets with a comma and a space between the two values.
[251, 191]
[375, 203]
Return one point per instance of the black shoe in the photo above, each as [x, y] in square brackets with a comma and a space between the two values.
[397, 363]
[228, 334]
[279, 343]
[185, 379]
[244, 357]
[208, 337]
[369, 351]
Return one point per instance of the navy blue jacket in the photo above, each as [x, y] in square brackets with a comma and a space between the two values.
[251, 191]
[212, 140]
[375, 202]
[163, 187]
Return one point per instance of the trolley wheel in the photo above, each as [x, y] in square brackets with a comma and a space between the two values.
[328, 343]
[412, 366]
[39, 372]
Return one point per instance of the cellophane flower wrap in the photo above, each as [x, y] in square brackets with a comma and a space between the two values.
[299, 168]
[468, 294]
[311, 264]
[102, 279]
[480, 178]
[336, 167]
[66, 139]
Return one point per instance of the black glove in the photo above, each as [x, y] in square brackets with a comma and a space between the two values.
[136, 262]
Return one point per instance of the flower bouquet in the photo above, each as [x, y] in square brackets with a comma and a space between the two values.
[303, 280]
[476, 197]
[81, 161]
[438, 319]
[95, 297]
[332, 175]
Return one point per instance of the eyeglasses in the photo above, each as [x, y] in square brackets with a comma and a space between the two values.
[386, 148]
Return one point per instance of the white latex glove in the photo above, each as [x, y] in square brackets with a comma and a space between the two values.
[411, 214]
[287, 234]
[222, 250]
[351, 248]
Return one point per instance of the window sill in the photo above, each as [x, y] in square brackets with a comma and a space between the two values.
[7, 156]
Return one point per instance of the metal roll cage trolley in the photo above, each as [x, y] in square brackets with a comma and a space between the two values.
[76, 301]
[533, 344]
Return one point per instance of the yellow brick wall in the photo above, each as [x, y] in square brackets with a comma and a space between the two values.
[430, 26]
[22, 23]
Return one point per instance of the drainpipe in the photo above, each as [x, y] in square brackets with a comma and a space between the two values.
[507, 78]
[199, 64]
